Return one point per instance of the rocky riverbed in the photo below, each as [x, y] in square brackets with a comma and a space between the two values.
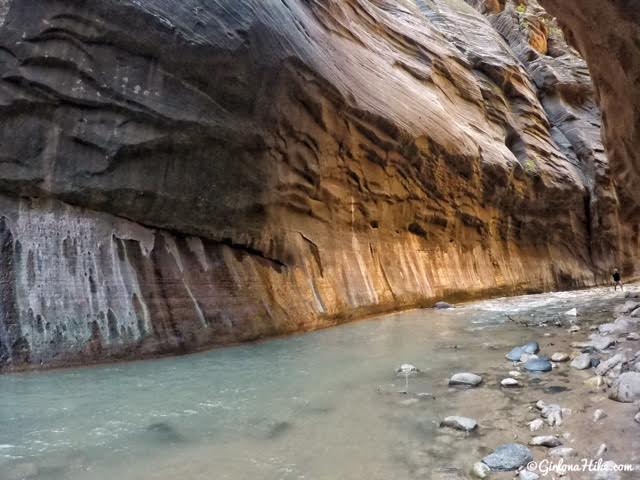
[564, 405]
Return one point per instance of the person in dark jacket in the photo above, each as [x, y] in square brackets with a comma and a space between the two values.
[617, 280]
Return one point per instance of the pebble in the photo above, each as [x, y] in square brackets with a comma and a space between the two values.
[536, 425]
[572, 313]
[545, 441]
[598, 415]
[562, 452]
[602, 449]
[637, 417]
[425, 395]
[466, 378]
[582, 361]
[510, 383]
[515, 373]
[573, 329]
[553, 413]
[460, 423]
[560, 357]
[633, 336]
[528, 475]
[480, 470]
[407, 369]
[508, 457]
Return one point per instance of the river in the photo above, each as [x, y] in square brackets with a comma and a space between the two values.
[323, 405]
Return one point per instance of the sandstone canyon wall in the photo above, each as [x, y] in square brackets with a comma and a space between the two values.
[176, 175]
[607, 33]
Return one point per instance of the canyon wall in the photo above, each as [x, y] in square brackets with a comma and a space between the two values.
[608, 36]
[175, 176]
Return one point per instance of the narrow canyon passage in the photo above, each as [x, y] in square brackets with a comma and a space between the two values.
[178, 176]
[319, 239]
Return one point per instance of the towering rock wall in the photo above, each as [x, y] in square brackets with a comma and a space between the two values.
[608, 36]
[176, 175]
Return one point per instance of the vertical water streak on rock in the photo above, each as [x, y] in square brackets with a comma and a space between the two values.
[14, 347]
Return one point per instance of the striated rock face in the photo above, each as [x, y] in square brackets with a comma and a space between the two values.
[177, 175]
[608, 35]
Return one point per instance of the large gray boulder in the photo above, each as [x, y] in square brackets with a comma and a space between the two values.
[509, 457]
[626, 388]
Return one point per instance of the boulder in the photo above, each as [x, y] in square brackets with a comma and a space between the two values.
[604, 367]
[515, 354]
[460, 423]
[626, 388]
[621, 326]
[538, 365]
[602, 342]
[581, 362]
[509, 457]
[466, 378]
[628, 307]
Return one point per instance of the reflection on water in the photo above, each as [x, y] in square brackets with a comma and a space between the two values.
[319, 406]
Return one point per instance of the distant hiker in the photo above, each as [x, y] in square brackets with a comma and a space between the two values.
[617, 280]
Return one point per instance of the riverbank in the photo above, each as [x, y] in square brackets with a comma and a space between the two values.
[581, 419]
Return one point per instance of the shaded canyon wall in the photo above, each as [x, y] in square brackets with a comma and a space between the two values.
[175, 176]
[608, 36]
